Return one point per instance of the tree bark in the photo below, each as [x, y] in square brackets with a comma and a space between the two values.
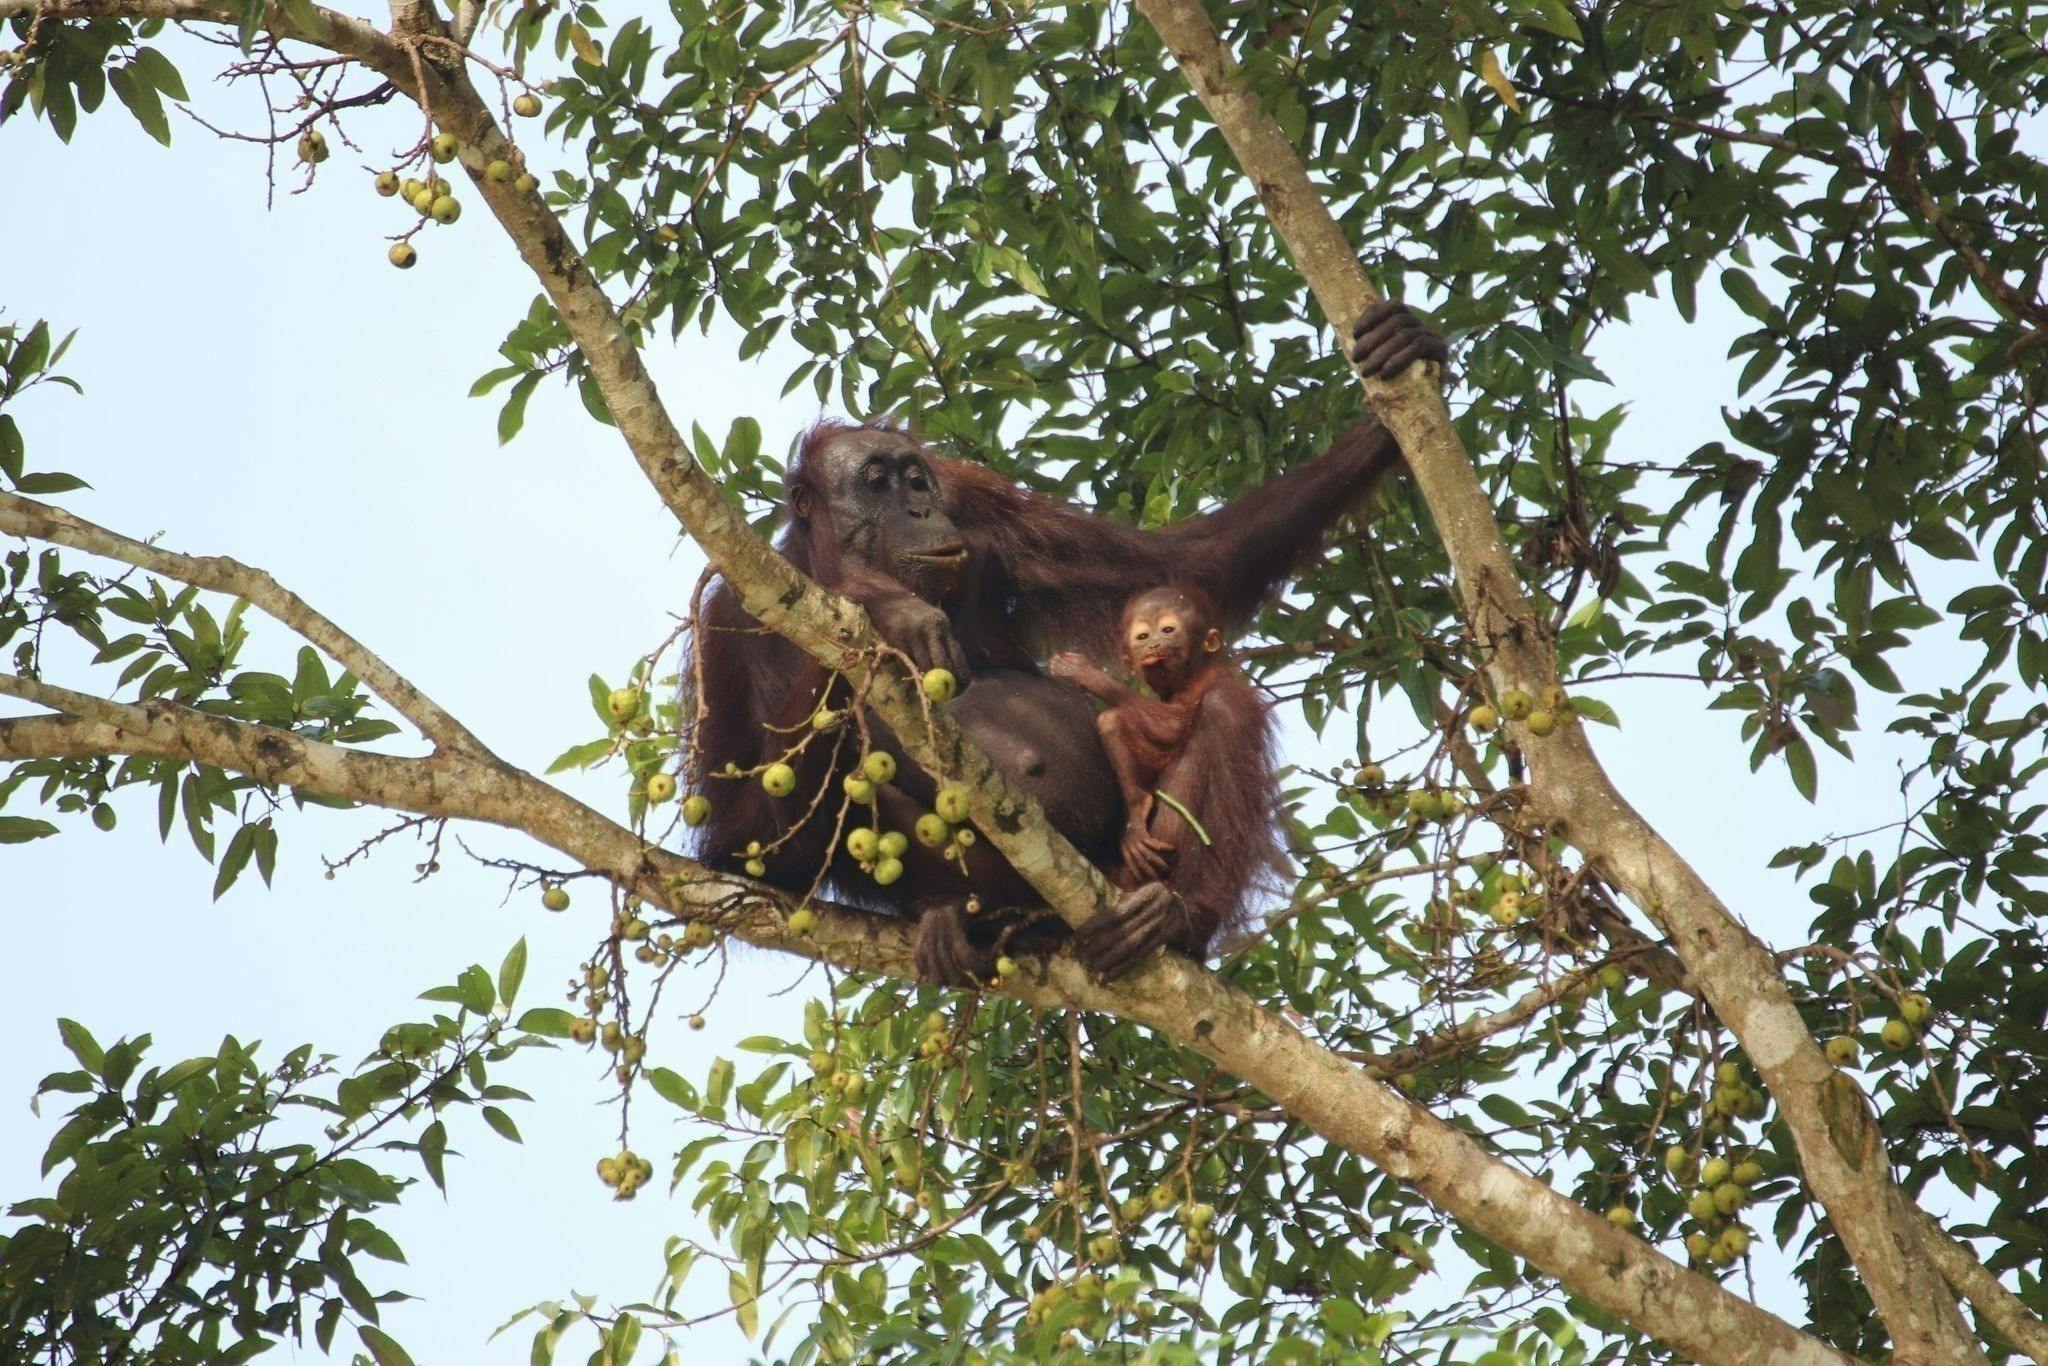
[1828, 1116]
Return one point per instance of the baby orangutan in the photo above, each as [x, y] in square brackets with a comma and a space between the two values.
[1195, 762]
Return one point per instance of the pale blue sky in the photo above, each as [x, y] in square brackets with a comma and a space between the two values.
[265, 386]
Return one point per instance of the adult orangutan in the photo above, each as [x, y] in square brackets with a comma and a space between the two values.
[962, 569]
[1195, 763]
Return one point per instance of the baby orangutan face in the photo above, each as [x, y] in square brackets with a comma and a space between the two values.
[1168, 639]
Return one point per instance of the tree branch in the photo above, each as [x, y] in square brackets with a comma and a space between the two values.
[1828, 1116]
[1180, 999]
[38, 521]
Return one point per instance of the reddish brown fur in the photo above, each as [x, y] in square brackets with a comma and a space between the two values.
[1206, 740]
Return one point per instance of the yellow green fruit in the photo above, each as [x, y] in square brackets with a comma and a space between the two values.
[1516, 704]
[525, 183]
[402, 255]
[803, 921]
[1897, 1034]
[1842, 1050]
[940, 685]
[931, 830]
[1541, 722]
[696, 810]
[498, 172]
[660, 787]
[779, 780]
[387, 183]
[445, 209]
[952, 804]
[442, 147]
[888, 870]
[1483, 718]
[623, 704]
[858, 788]
[879, 766]
[892, 844]
[555, 898]
[526, 106]
[863, 844]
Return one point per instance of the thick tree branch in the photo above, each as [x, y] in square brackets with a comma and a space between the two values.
[28, 518]
[1830, 1120]
[1183, 1001]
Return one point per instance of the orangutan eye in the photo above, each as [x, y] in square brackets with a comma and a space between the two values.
[1166, 630]
[877, 477]
[916, 480]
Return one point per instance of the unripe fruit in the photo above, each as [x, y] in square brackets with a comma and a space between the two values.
[1677, 1160]
[402, 255]
[1505, 912]
[583, 1030]
[1612, 977]
[498, 172]
[1713, 1171]
[1555, 699]
[1729, 1198]
[893, 844]
[1516, 704]
[611, 1036]
[1842, 1050]
[608, 1170]
[312, 147]
[931, 830]
[698, 936]
[863, 844]
[1897, 1034]
[1747, 1173]
[952, 804]
[1914, 1009]
[696, 810]
[824, 718]
[442, 147]
[852, 1084]
[445, 209]
[526, 106]
[555, 898]
[1006, 967]
[940, 685]
[935, 1023]
[1621, 1216]
[1701, 1206]
[879, 766]
[803, 921]
[888, 870]
[1735, 1239]
[409, 187]
[387, 183]
[858, 789]
[525, 183]
[696, 1022]
[103, 816]
[660, 787]
[779, 780]
[1697, 1245]
[634, 1049]
[1371, 775]
[1483, 718]
[756, 868]
[623, 704]
[963, 837]
[422, 200]
[1541, 722]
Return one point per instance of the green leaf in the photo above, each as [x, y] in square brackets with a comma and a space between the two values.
[550, 1022]
[22, 829]
[383, 1347]
[143, 102]
[512, 972]
[83, 1046]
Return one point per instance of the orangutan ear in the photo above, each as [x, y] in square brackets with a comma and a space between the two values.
[1213, 641]
[800, 502]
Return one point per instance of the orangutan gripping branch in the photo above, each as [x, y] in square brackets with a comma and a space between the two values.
[962, 569]
[1195, 762]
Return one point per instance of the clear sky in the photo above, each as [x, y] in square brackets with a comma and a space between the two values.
[263, 385]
